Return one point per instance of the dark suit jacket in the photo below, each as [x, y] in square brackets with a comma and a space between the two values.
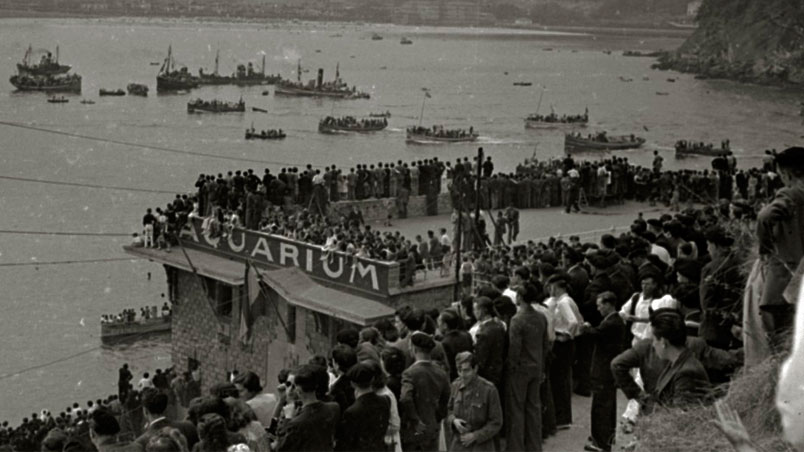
[342, 392]
[313, 429]
[186, 428]
[641, 356]
[578, 280]
[600, 283]
[424, 400]
[454, 342]
[528, 342]
[490, 349]
[608, 339]
[363, 425]
[683, 382]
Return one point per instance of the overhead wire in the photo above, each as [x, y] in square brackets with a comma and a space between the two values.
[148, 146]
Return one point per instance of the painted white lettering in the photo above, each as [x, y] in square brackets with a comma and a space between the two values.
[262, 248]
[308, 262]
[286, 250]
[241, 246]
[329, 272]
[363, 270]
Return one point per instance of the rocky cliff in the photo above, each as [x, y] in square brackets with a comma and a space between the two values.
[759, 41]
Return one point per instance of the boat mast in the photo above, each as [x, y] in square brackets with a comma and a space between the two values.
[57, 55]
[298, 71]
[217, 54]
[263, 64]
[27, 58]
[540, 101]
[421, 114]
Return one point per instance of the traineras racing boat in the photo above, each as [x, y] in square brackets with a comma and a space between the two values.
[111, 92]
[423, 135]
[137, 89]
[252, 134]
[351, 124]
[601, 142]
[552, 121]
[216, 106]
[115, 331]
[684, 148]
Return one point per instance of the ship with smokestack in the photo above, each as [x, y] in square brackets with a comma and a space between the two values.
[335, 89]
[246, 75]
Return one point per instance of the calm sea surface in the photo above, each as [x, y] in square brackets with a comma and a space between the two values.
[50, 312]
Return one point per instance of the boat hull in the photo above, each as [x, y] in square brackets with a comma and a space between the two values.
[164, 84]
[197, 109]
[702, 152]
[428, 139]
[73, 86]
[530, 124]
[333, 129]
[112, 332]
[259, 136]
[303, 92]
[573, 144]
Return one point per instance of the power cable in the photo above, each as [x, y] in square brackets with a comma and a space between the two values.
[85, 261]
[78, 184]
[148, 146]
[72, 234]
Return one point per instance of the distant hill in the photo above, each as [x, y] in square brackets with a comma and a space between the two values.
[759, 41]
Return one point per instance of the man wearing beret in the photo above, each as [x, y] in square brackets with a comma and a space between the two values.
[780, 230]
[424, 397]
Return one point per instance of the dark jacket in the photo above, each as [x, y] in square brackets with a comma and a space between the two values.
[186, 428]
[363, 425]
[683, 382]
[313, 429]
[722, 286]
[454, 342]
[528, 342]
[423, 402]
[437, 355]
[608, 339]
[600, 283]
[641, 356]
[342, 392]
[490, 347]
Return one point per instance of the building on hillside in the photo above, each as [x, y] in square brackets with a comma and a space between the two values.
[303, 299]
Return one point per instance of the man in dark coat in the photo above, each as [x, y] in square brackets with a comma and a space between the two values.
[528, 345]
[454, 339]
[608, 340]
[341, 392]
[424, 397]
[364, 424]
[313, 428]
[475, 414]
[154, 404]
[490, 342]
[684, 380]
[721, 290]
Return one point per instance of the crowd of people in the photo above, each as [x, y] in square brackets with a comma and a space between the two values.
[553, 118]
[662, 312]
[350, 122]
[130, 315]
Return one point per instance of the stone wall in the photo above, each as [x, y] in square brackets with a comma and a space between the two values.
[378, 209]
[212, 340]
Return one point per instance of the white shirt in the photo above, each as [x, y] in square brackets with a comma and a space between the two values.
[445, 241]
[565, 315]
[144, 383]
[661, 252]
[640, 330]
[511, 294]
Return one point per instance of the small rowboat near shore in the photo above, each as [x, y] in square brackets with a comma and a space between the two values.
[601, 142]
[114, 331]
[252, 134]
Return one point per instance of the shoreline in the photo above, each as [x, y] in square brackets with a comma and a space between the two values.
[608, 30]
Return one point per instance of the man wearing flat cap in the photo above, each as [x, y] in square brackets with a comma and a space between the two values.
[424, 397]
[780, 230]
[363, 424]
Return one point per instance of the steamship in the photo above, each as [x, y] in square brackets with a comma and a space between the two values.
[335, 89]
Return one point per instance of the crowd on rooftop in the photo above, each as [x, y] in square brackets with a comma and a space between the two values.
[663, 312]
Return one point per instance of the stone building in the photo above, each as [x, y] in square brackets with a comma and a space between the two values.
[292, 303]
